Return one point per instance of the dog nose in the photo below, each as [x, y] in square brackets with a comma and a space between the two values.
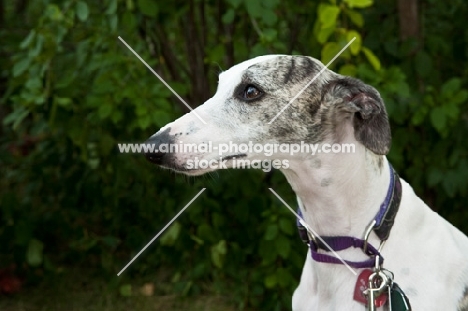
[155, 157]
[153, 154]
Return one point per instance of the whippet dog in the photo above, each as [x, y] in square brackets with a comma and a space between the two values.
[339, 194]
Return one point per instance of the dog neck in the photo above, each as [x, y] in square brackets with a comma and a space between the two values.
[340, 193]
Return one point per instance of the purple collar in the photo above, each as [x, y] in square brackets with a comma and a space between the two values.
[381, 225]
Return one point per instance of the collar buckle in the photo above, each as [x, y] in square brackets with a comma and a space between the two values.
[305, 233]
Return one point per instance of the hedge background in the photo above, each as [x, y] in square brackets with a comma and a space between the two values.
[70, 91]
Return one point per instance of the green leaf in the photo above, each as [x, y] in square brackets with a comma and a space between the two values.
[93, 163]
[435, 176]
[329, 51]
[438, 119]
[449, 185]
[197, 239]
[450, 87]
[423, 64]
[26, 42]
[328, 14]
[270, 281]
[359, 3]
[229, 16]
[34, 83]
[113, 21]
[34, 255]
[325, 33]
[269, 17]
[148, 7]
[373, 60]
[420, 114]
[267, 251]
[112, 8]
[63, 101]
[257, 50]
[16, 117]
[144, 122]
[37, 47]
[205, 232]
[234, 3]
[270, 4]
[348, 70]
[254, 8]
[110, 241]
[283, 277]
[222, 247]
[283, 247]
[129, 21]
[270, 34]
[170, 236]
[216, 53]
[219, 220]
[286, 226]
[21, 66]
[355, 17]
[125, 290]
[161, 118]
[218, 253]
[82, 11]
[54, 12]
[451, 110]
[271, 232]
[105, 110]
[460, 97]
[355, 47]
[130, 5]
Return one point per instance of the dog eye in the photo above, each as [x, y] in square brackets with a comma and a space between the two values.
[251, 92]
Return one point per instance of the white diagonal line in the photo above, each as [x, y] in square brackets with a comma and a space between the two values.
[302, 221]
[159, 233]
[161, 79]
[313, 79]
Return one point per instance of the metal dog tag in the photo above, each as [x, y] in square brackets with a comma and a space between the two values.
[398, 299]
[377, 286]
[371, 296]
[361, 287]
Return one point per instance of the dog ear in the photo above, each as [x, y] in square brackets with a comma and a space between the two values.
[367, 109]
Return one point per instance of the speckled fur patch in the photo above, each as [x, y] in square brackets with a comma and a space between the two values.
[463, 305]
[319, 112]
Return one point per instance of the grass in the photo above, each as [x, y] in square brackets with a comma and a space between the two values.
[81, 290]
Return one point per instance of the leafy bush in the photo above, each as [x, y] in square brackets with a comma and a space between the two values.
[72, 91]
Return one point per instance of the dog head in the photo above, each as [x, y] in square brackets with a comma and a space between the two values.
[274, 99]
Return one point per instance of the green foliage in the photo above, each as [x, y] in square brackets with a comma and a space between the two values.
[71, 91]
[34, 254]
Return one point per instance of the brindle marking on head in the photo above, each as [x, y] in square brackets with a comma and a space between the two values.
[281, 79]
[290, 72]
